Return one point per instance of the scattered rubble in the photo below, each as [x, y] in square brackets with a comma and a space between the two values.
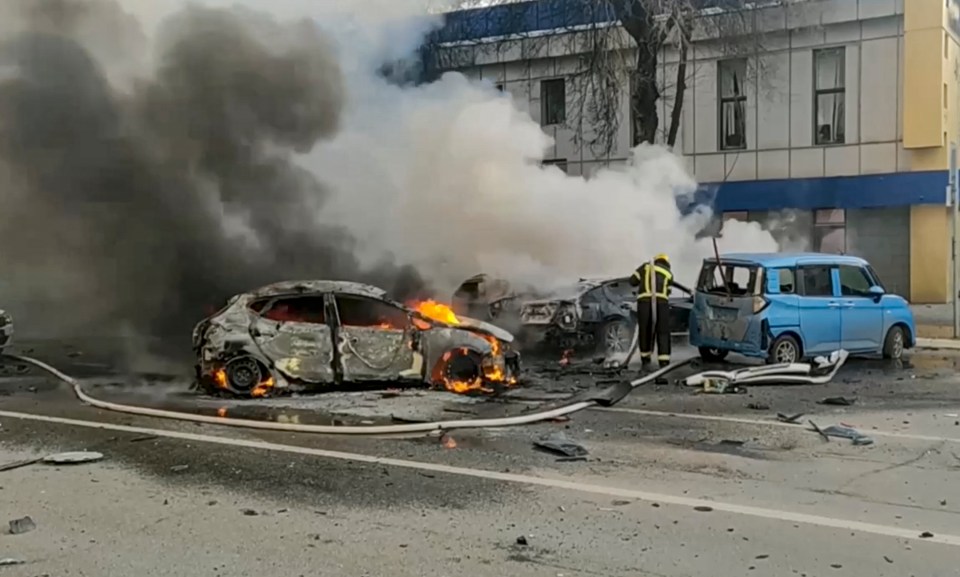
[558, 443]
[22, 525]
[837, 401]
[843, 432]
[73, 458]
[522, 541]
[7, 561]
[791, 419]
[758, 407]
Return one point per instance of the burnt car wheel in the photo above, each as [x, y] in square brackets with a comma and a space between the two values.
[463, 366]
[243, 374]
[616, 336]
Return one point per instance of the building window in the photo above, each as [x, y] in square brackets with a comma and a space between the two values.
[733, 103]
[830, 90]
[830, 230]
[560, 163]
[553, 102]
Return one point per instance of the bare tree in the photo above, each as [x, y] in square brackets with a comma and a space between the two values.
[616, 45]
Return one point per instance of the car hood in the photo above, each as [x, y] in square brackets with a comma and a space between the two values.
[478, 325]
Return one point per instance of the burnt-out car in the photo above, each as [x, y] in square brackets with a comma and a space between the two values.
[598, 314]
[315, 334]
[6, 329]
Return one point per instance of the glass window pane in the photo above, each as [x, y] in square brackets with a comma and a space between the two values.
[831, 118]
[830, 216]
[732, 74]
[832, 240]
[787, 282]
[734, 124]
[854, 281]
[830, 69]
[817, 281]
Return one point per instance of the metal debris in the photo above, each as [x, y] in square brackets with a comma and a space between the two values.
[249, 512]
[522, 541]
[7, 561]
[558, 443]
[837, 401]
[22, 525]
[17, 464]
[821, 371]
[791, 419]
[758, 407]
[842, 432]
[73, 458]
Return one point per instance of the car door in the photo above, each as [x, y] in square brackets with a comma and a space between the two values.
[375, 340]
[294, 334]
[861, 314]
[819, 306]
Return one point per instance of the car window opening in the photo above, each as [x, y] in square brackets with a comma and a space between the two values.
[738, 280]
[363, 312]
[294, 310]
[787, 281]
[854, 281]
[817, 281]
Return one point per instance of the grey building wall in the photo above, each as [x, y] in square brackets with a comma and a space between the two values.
[882, 236]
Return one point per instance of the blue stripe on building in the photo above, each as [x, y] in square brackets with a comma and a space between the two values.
[899, 189]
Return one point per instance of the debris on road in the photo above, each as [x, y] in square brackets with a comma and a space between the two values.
[703, 508]
[7, 561]
[249, 512]
[73, 458]
[843, 432]
[522, 541]
[18, 464]
[837, 401]
[558, 443]
[448, 442]
[926, 535]
[791, 419]
[819, 430]
[887, 559]
[758, 407]
[821, 371]
[22, 525]
[179, 468]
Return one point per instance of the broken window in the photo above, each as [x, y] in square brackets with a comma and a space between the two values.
[553, 101]
[817, 281]
[305, 309]
[733, 103]
[738, 280]
[355, 311]
[830, 94]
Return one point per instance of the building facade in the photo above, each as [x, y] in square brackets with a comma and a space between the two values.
[835, 128]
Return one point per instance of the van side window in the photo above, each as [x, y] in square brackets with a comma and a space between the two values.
[817, 281]
[788, 281]
[854, 281]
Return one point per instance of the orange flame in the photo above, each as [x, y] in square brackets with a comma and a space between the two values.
[263, 388]
[220, 378]
[222, 412]
[437, 311]
[448, 442]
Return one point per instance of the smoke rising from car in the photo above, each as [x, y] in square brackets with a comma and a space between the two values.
[158, 158]
[139, 198]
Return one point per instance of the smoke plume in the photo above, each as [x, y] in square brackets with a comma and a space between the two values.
[156, 158]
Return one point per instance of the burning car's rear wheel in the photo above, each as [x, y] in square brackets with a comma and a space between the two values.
[463, 366]
[243, 374]
[616, 336]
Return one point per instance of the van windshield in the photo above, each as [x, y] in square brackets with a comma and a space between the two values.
[735, 279]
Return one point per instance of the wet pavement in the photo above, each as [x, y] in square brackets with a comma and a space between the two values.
[781, 499]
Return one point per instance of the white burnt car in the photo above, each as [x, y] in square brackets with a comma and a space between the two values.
[6, 329]
[298, 335]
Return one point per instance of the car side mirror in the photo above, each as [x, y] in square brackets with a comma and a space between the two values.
[876, 292]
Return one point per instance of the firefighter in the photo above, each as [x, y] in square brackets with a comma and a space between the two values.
[655, 281]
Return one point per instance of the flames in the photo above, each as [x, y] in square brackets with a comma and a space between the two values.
[261, 390]
[437, 311]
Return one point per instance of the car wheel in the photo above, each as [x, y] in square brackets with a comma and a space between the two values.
[893, 345]
[785, 349]
[713, 355]
[243, 374]
[616, 337]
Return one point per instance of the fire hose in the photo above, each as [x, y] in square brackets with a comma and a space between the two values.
[616, 393]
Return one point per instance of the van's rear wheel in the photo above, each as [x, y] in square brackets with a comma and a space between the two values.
[785, 349]
[713, 355]
[893, 344]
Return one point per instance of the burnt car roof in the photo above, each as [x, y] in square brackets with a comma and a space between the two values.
[319, 286]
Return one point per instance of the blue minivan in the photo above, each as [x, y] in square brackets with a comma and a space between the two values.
[787, 307]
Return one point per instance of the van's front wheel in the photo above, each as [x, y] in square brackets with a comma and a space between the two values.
[893, 344]
[713, 355]
[785, 349]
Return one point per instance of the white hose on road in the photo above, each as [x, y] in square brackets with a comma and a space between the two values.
[333, 429]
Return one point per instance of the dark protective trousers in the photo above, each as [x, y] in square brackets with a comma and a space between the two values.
[648, 328]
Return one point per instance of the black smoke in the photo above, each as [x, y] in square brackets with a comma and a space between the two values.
[144, 205]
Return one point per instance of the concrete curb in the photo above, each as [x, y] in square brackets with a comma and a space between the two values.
[950, 344]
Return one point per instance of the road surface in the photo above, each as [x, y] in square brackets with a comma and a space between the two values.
[676, 484]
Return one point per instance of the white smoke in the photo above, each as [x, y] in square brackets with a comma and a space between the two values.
[446, 176]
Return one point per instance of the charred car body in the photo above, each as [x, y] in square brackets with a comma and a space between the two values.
[298, 335]
[590, 314]
[6, 329]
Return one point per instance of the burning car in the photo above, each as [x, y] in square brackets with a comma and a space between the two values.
[297, 335]
[6, 329]
[591, 313]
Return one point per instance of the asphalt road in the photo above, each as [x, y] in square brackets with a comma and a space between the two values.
[675, 484]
